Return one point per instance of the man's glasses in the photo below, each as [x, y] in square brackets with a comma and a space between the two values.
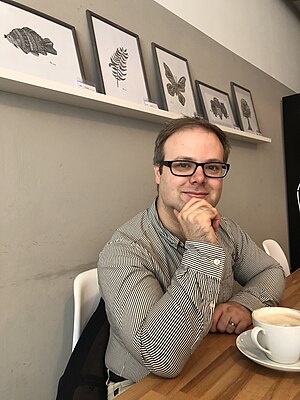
[188, 168]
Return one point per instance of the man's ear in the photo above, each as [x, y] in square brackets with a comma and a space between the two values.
[157, 174]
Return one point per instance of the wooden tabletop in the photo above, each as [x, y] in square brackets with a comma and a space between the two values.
[217, 370]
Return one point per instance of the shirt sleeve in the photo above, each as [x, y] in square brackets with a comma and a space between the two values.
[262, 278]
[160, 327]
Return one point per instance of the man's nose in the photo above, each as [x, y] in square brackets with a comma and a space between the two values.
[198, 175]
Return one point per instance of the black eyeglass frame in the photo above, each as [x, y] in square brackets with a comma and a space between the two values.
[202, 165]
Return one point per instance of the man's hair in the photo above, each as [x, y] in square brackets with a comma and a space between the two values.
[180, 124]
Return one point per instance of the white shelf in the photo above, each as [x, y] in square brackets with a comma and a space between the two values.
[245, 136]
[31, 86]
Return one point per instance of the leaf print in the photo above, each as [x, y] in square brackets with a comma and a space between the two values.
[118, 64]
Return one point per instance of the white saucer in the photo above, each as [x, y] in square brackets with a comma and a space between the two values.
[245, 346]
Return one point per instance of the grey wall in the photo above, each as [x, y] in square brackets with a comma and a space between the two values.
[70, 176]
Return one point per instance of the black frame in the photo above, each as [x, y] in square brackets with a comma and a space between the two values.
[216, 115]
[163, 92]
[243, 124]
[55, 21]
[102, 82]
[291, 121]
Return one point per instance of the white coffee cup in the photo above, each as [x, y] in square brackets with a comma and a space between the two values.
[276, 331]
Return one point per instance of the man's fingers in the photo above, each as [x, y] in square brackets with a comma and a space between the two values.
[231, 318]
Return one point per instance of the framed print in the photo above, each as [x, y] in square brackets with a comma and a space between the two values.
[36, 44]
[118, 59]
[175, 81]
[215, 105]
[245, 108]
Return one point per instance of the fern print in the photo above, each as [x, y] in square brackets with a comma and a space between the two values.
[118, 64]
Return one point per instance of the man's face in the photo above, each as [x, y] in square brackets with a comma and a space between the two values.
[194, 144]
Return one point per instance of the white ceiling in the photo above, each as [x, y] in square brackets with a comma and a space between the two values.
[271, 31]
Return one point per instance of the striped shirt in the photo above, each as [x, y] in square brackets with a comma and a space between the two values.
[160, 294]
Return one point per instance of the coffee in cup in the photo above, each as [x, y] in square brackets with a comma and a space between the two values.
[276, 331]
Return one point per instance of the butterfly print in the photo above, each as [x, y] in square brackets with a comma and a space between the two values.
[175, 87]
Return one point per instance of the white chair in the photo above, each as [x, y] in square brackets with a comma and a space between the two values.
[86, 299]
[274, 250]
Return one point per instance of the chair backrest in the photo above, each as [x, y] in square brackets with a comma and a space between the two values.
[85, 375]
[274, 250]
[86, 300]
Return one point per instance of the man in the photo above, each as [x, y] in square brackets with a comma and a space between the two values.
[167, 276]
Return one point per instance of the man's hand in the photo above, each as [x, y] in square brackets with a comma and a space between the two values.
[227, 314]
[199, 221]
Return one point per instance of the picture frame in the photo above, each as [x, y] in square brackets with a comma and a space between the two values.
[37, 44]
[245, 109]
[119, 62]
[174, 80]
[216, 105]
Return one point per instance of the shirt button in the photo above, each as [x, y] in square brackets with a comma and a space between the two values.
[217, 261]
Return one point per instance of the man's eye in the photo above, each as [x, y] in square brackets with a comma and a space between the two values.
[182, 165]
[212, 167]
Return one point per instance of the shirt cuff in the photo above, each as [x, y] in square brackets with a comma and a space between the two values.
[206, 258]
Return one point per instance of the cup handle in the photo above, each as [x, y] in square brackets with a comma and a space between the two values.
[254, 333]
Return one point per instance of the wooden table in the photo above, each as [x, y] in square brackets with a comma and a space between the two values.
[218, 371]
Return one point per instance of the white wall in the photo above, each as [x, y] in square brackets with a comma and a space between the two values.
[265, 33]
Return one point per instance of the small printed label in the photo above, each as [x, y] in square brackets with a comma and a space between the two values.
[86, 85]
[149, 104]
